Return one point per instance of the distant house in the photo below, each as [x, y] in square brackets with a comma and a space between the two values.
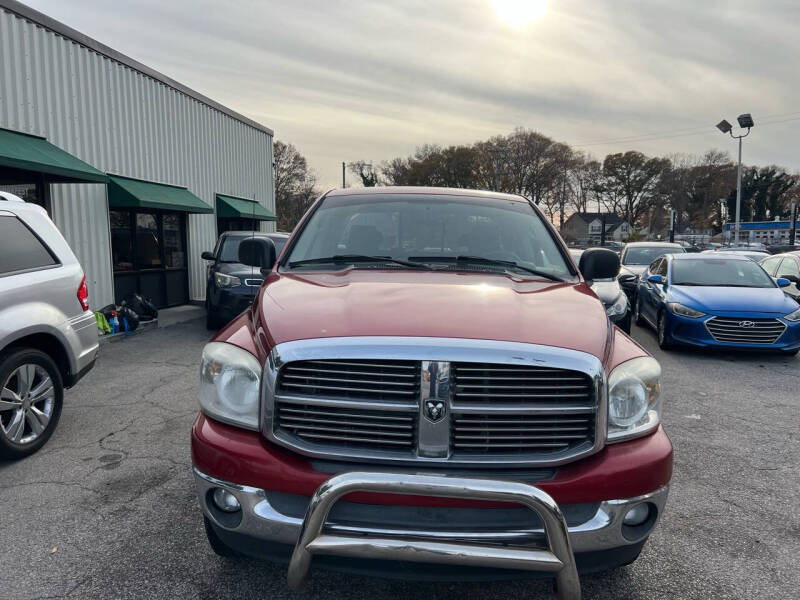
[586, 228]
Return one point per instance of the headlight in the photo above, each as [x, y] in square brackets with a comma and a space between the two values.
[634, 405]
[620, 306]
[230, 379]
[225, 281]
[793, 316]
[685, 311]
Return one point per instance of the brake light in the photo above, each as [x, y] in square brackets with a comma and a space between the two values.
[83, 294]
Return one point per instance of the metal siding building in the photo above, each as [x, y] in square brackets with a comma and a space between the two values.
[124, 118]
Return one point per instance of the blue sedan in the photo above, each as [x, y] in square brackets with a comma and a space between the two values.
[717, 300]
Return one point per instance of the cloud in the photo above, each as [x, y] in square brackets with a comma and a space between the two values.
[359, 79]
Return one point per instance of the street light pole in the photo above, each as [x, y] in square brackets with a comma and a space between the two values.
[745, 121]
[739, 193]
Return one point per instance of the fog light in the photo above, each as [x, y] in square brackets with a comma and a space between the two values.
[227, 502]
[637, 515]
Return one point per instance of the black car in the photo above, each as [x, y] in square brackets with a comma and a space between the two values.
[231, 285]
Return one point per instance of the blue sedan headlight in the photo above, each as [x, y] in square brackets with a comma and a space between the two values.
[685, 311]
[793, 316]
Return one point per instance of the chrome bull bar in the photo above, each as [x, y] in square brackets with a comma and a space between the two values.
[558, 558]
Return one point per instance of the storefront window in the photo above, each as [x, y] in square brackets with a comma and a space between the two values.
[148, 248]
[174, 253]
[121, 240]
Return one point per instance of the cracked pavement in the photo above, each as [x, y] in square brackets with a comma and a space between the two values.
[112, 491]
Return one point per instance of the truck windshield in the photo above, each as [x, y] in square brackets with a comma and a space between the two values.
[720, 273]
[443, 231]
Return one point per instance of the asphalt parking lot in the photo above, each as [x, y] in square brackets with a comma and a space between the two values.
[107, 509]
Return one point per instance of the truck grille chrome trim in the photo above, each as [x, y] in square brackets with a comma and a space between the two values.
[556, 558]
[740, 330]
[434, 401]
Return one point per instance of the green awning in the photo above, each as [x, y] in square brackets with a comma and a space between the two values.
[34, 154]
[125, 192]
[242, 208]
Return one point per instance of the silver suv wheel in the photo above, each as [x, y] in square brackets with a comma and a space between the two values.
[31, 398]
[27, 399]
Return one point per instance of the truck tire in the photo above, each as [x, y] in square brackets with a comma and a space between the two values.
[32, 398]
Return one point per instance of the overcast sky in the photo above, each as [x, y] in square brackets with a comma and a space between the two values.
[352, 79]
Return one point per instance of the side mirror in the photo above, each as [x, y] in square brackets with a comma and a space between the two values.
[257, 252]
[599, 263]
[785, 281]
[657, 279]
[207, 255]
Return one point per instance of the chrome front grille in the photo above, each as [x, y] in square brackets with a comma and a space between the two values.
[347, 427]
[401, 399]
[503, 384]
[738, 330]
[365, 379]
[544, 410]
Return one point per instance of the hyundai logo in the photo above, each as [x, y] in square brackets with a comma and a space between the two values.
[746, 324]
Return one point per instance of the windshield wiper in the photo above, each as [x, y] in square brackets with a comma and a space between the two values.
[508, 264]
[357, 258]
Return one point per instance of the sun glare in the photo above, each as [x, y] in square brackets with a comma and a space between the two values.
[519, 13]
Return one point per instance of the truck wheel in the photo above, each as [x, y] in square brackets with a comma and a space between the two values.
[219, 547]
[31, 397]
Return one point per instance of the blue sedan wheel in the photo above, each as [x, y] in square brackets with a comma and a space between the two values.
[637, 313]
[664, 339]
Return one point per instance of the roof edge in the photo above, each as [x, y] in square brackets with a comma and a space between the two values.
[33, 15]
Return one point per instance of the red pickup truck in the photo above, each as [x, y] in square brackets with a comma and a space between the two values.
[426, 387]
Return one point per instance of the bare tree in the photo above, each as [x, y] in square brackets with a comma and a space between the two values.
[294, 185]
[630, 183]
[365, 172]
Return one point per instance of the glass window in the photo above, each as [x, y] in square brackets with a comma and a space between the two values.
[718, 272]
[174, 252]
[770, 264]
[20, 249]
[148, 247]
[429, 229]
[653, 268]
[788, 267]
[644, 255]
[121, 240]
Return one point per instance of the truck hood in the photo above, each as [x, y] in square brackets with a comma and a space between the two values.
[487, 306]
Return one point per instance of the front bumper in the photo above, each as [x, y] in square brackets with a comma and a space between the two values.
[693, 332]
[589, 531]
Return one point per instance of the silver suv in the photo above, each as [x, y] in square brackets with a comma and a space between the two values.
[48, 335]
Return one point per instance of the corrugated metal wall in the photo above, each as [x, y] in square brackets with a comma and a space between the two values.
[121, 121]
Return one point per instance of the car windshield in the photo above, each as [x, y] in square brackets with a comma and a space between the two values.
[644, 255]
[720, 273]
[229, 252]
[436, 231]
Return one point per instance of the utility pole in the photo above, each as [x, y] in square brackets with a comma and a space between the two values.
[603, 229]
[671, 225]
[344, 183]
[792, 234]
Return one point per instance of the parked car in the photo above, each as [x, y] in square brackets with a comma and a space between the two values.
[783, 248]
[231, 286]
[720, 299]
[429, 347]
[635, 257]
[754, 255]
[48, 335]
[615, 301]
[688, 246]
[786, 266]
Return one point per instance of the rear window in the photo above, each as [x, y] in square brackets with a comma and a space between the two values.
[20, 249]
